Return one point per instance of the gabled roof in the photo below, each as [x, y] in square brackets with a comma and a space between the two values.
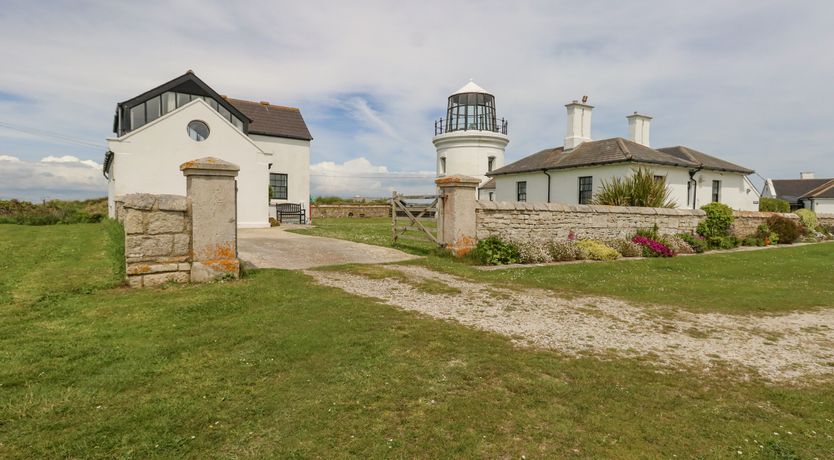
[707, 161]
[613, 151]
[273, 120]
[825, 190]
[489, 184]
[794, 189]
[186, 83]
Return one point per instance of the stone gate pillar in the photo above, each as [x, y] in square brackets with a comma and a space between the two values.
[212, 205]
[456, 225]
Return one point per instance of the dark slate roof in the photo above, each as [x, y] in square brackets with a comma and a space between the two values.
[793, 189]
[489, 184]
[186, 83]
[273, 120]
[707, 161]
[616, 150]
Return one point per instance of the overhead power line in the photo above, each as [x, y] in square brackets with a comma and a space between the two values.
[53, 136]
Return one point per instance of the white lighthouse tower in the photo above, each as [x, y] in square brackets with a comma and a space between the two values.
[471, 139]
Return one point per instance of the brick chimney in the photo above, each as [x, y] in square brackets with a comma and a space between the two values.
[638, 128]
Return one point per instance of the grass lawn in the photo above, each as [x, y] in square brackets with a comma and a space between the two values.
[772, 280]
[275, 366]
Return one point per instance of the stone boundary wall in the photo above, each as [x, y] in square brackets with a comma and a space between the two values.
[745, 223]
[157, 239]
[350, 210]
[826, 219]
[548, 221]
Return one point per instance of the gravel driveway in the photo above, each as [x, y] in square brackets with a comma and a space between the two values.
[277, 248]
[787, 347]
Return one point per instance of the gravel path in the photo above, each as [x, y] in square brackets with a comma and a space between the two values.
[789, 347]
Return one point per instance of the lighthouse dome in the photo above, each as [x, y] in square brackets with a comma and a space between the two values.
[471, 108]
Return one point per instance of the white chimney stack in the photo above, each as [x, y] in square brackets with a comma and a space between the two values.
[806, 175]
[638, 128]
[579, 124]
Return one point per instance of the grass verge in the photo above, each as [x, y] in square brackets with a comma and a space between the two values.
[773, 280]
[276, 366]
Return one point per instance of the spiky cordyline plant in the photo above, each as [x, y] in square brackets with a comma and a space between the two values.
[641, 189]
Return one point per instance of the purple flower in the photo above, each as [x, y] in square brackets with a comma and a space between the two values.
[656, 247]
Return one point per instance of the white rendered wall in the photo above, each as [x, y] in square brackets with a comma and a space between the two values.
[564, 185]
[290, 157]
[147, 160]
[824, 205]
[467, 152]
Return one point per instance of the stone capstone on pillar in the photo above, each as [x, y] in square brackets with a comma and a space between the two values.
[456, 224]
[211, 198]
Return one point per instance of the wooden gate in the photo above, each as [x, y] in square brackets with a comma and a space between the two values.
[415, 214]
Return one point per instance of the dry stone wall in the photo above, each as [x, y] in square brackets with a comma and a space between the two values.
[745, 223]
[549, 221]
[825, 219]
[157, 239]
[350, 210]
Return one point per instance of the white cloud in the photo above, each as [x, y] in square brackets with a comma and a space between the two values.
[64, 177]
[70, 159]
[359, 177]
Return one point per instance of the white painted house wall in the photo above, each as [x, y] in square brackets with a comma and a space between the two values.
[823, 205]
[147, 160]
[291, 157]
[565, 185]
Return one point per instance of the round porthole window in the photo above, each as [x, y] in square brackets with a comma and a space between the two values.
[198, 130]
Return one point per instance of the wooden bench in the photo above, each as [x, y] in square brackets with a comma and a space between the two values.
[290, 210]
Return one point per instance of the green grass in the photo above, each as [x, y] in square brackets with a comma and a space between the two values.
[773, 280]
[276, 366]
[370, 230]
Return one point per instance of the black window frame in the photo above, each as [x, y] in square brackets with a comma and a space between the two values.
[716, 191]
[586, 189]
[276, 187]
[521, 191]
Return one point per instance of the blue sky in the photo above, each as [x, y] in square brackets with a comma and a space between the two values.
[750, 82]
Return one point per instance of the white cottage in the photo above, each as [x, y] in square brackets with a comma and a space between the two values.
[573, 173]
[185, 119]
[806, 192]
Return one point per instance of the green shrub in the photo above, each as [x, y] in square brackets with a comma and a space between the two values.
[697, 243]
[751, 240]
[495, 251]
[597, 250]
[773, 205]
[533, 253]
[787, 230]
[563, 251]
[650, 233]
[641, 189]
[53, 212]
[625, 247]
[807, 218]
[718, 222]
[723, 242]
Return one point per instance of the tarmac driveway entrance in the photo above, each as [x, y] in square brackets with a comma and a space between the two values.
[277, 248]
